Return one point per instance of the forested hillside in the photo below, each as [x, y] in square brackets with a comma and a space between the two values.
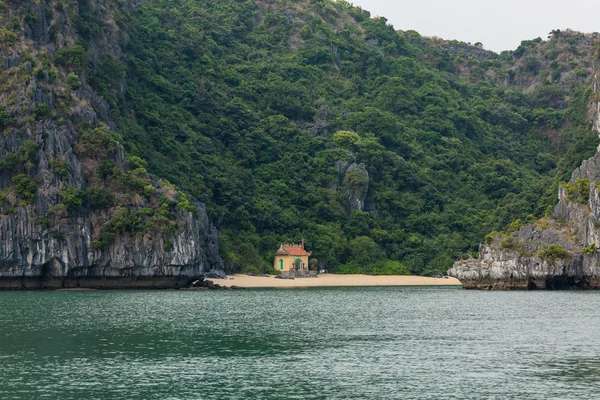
[386, 151]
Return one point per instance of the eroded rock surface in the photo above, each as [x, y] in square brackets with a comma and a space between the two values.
[354, 183]
[75, 210]
[42, 246]
[520, 259]
[560, 252]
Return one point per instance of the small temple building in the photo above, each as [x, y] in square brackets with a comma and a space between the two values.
[291, 257]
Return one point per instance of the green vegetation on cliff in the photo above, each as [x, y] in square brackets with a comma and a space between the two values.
[389, 153]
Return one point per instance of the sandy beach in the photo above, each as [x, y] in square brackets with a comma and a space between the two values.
[330, 280]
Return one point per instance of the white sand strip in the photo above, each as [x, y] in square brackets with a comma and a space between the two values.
[326, 280]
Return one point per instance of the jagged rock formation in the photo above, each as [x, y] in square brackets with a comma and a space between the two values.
[353, 183]
[76, 211]
[42, 247]
[557, 253]
[553, 253]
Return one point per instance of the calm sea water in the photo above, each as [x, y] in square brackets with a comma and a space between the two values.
[339, 343]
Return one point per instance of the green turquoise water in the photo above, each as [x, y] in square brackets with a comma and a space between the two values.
[338, 343]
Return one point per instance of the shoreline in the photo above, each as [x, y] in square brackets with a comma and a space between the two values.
[334, 280]
[238, 281]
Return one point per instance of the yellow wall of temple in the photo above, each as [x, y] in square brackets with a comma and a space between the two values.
[285, 263]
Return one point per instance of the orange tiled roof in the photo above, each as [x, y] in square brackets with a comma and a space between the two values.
[292, 251]
[296, 251]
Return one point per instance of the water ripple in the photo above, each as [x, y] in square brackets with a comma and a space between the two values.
[339, 343]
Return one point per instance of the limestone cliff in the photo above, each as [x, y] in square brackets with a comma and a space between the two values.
[557, 252]
[353, 184]
[76, 211]
[552, 253]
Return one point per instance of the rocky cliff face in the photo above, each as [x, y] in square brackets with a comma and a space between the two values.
[557, 252]
[76, 211]
[522, 260]
[353, 183]
[552, 253]
[48, 244]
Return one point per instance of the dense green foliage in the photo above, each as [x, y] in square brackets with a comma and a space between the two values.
[579, 191]
[100, 197]
[21, 160]
[590, 250]
[25, 187]
[554, 252]
[5, 118]
[248, 108]
[72, 198]
[60, 167]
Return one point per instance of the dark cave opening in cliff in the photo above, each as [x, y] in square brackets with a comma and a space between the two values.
[531, 286]
[564, 282]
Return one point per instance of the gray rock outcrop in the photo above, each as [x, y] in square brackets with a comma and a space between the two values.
[554, 253]
[140, 232]
[43, 249]
[560, 252]
[353, 183]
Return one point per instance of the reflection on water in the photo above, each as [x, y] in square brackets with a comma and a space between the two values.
[328, 343]
[583, 371]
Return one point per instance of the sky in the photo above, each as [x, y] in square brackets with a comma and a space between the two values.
[499, 25]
